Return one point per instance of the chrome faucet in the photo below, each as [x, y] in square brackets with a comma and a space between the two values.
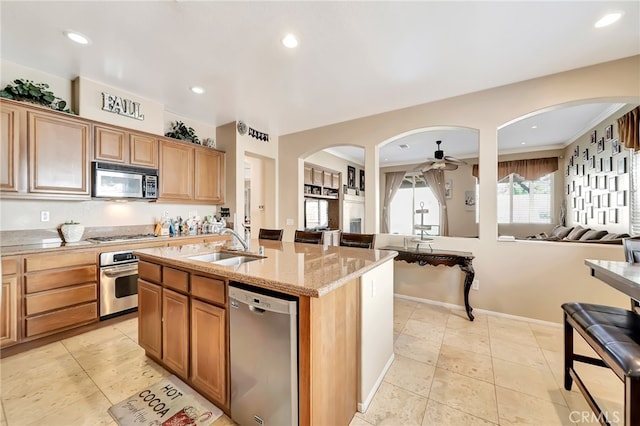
[245, 244]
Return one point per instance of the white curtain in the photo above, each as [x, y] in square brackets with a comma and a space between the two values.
[435, 181]
[393, 180]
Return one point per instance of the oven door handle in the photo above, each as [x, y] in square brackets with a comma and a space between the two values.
[119, 271]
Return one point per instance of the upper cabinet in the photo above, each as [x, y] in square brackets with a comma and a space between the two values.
[122, 146]
[47, 154]
[209, 176]
[320, 182]
[9, 148]
[191, 173]
[59, 151]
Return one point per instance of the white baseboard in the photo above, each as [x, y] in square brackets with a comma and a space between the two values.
[483, 311]
[364, 405]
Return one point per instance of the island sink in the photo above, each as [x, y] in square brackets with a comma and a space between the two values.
[225, 259]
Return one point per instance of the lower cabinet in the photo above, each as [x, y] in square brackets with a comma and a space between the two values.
[182, 324]
[175, 332]
[60, 292]
[208, 349]
[9, 334]
[150, 317]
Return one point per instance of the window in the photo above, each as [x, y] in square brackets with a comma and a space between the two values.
[525, 201]
[402, 211]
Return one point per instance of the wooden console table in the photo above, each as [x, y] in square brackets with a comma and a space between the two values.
[426, 256]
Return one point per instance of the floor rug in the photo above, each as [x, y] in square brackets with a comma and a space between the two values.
[170, 402]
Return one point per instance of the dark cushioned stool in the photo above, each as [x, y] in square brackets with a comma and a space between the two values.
[614, 334]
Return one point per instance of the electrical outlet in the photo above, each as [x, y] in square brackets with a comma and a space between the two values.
[165, 214]
[475, 285]
[289, 222]
[44, 216]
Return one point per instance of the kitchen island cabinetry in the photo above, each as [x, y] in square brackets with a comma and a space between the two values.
[9, 333]
[122, 146]
[60, 292]
[329, 283]
[182, 325]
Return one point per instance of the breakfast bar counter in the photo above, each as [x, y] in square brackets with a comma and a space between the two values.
[294, 268]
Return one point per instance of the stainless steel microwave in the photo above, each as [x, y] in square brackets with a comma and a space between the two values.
[119, 181]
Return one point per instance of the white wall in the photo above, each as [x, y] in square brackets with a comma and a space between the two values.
[524, 278]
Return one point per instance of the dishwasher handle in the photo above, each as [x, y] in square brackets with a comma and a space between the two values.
[256, 310]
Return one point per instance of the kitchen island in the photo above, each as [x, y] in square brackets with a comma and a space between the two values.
[345, 318]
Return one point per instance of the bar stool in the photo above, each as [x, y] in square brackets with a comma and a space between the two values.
[308, 237]
[270, 234]
[357, 240]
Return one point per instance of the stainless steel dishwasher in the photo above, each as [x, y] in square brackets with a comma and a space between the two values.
[264, 356]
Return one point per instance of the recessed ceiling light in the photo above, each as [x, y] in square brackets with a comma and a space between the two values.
[523, 143]
[290, 41]
[534, 127]
[197, 89]
[608, 19]
[77, 37]
[403, 146]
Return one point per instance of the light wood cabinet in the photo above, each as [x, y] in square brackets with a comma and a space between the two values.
[122, 146]
[150, 318]
[335, 180]
[59, 149]
[176, 171]
[209, 177]
[318, 177]
[60, 292]
[184, 327]
[308, 175]
[175, 332]
[9, 332]
[192, 174]
[208, 350]
[9, 147]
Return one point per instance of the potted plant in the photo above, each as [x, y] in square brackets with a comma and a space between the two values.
[179, 130]
[72, 231]
[35, 93]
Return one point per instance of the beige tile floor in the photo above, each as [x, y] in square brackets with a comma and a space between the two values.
[447, 371]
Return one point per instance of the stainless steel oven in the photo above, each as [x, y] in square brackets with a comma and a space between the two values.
[118, 283]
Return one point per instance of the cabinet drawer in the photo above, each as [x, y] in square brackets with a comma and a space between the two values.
[54, 261]
[51, 280]
[177, 280]
[9, 266]
[64, 318]
[56, 299]
[209, 289]
[149, 271]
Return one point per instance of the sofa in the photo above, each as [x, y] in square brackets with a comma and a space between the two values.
[580, 234]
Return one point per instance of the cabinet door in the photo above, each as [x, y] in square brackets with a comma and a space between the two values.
[9, 148]
[58, 155]
[327, 180]
[318, 177]
[150, 318]
[175, 332]
[143, 150]
[209, 176]
[308, 176]
[9, 312]
[176, 171]
[209, 350]
[110, 144]
[335, 180]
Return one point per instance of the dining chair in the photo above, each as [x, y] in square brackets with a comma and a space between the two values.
[308, 237]
[270, 234]
[357, 240]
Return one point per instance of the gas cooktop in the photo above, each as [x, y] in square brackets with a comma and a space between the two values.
[115, 238]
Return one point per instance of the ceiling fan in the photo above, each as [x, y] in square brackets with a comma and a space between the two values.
[440, 161]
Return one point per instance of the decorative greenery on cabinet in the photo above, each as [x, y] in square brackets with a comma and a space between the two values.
[180, 131]
[36, 93]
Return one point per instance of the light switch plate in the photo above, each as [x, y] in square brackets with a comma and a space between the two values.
[44, 216]
[289, 222]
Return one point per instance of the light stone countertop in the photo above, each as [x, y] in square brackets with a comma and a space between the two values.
[294, 268]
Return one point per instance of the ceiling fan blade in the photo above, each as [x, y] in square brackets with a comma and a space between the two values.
[429, 163]
[449, 166]
[453, 160]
